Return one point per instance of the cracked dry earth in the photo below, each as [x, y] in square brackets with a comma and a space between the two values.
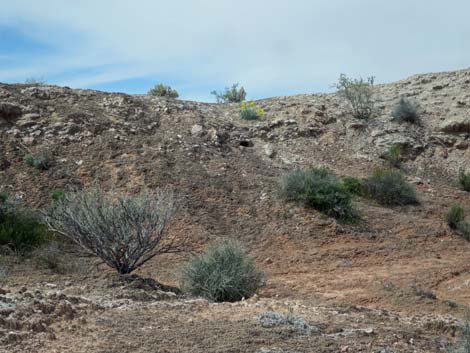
[397, 282]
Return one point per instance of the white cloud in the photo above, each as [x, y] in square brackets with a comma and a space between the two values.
[268, 45]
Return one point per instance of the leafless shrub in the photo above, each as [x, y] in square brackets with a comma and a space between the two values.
[125, 231]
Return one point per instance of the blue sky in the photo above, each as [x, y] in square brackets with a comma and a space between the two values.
[272, 47]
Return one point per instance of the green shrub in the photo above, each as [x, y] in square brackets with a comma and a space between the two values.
[406, 111]
[224, 272]
[319, 188]
[250, 111]
[58, 195]
[463, 228]
[359, 93]
[353, 185]
[389, 188]
[41, 161]
[3, 197]
[230, 95]
[464, 180]
[455, 215]
[162, 90]
[394, 156]
[21, 230]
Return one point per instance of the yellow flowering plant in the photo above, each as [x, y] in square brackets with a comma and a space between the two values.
[250, 111]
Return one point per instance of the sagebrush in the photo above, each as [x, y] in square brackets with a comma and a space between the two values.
[406, 111]
[124, 231]
[390, 188]
[224, 272]
[319, 188]
[359, 93]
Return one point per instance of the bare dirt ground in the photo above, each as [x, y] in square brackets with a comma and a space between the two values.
[397, 282]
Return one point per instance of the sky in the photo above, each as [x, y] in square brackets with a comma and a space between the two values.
[271, 47]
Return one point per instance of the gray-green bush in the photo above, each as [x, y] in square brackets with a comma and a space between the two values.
[123, 231]
[162, 90]
[353, 185]
[319, 188]
[40, 161]
[406, 111]
[455, 215]
[231, 94]
[463, 344]
[464, 180]
[389, 187]
[359, 93]
[224, 272]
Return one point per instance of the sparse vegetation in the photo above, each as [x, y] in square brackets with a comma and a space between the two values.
[162, 90]
[455, 215]
[394, 156]
[359, 93]
[389, 188]
[250, 111]
[464, 180]
[58, 195]
[20, 229]
[319, 188]
[463, 229]
[37, 81]
[455, 218]
[230, 95]
[224, 272]
[463, 344]
[406, 111]
[48, 256]
[353, 185]
[40, 161]
[124, 231]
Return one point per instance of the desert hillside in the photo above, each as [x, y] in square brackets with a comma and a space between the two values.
[398, 281]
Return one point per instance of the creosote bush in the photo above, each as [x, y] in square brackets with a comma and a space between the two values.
[359, 93]
[464, 180]
[389, 187]
[319, 188]
[250, 111]
[406, 111]
[162, 90]
[40, 161]
[123, 231]
[224, 272]
[230, 95]
[455, 215]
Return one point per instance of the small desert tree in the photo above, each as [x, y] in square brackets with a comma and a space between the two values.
[124, 231]
[359, 93]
